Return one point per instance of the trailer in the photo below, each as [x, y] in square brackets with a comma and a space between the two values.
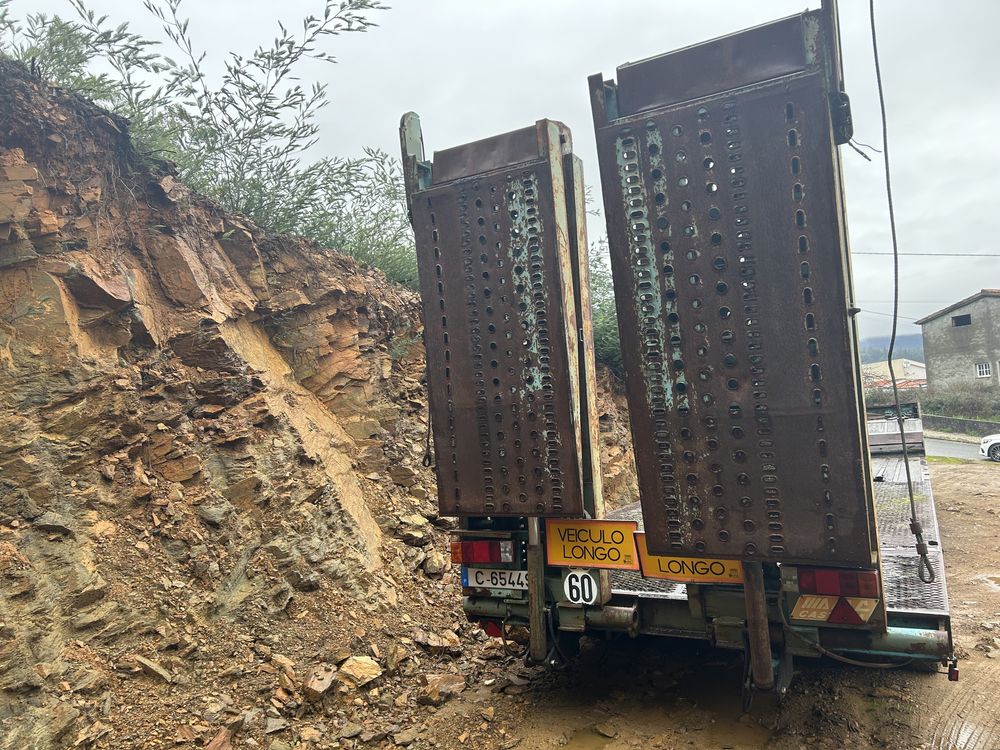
[657, 601]
[884, 429]
[764, 524]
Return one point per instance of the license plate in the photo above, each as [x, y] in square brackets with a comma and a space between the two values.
[591, 544]
[492, 578]
[687, 569]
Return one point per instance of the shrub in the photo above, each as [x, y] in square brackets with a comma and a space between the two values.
[242, 141]
[964, 401]
[607, 344]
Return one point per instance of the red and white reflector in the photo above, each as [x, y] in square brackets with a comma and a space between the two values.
[482, 552]
[839, 597]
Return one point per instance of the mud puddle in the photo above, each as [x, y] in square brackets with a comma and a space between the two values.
[647, 693]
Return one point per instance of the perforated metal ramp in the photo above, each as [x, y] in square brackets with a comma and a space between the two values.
[629, 582]
[498, 227]
[722, 193]
[904, 591]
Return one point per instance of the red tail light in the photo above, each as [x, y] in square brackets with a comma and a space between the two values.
[482, 552]
[828, 582]
[831, 582]
[848, 583]
[868, 584]
[807, 580]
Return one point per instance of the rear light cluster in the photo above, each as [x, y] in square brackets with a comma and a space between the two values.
[857, 583]
[474, 553]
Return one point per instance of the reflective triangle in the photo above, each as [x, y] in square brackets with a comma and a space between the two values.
[844, 614]
[864, 607]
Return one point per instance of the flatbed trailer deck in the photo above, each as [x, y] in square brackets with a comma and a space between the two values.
[909, 601]
[917, 618]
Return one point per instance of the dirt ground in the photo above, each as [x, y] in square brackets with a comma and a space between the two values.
[652, 693]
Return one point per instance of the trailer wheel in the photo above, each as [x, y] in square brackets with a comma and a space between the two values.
[994, 452]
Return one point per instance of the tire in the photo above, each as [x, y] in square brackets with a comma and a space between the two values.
[994, 452]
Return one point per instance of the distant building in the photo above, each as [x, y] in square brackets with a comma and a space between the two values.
[962, 342]
[909, 374]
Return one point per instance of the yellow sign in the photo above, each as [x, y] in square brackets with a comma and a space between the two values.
[687, 569]
[864, 607]
[591, 544]
[813, 607]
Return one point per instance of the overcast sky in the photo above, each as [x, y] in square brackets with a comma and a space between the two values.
[473, 68]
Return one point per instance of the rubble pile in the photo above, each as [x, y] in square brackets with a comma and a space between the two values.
[215, 526]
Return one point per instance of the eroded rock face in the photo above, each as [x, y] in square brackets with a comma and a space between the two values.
[199, 425]
[179, 395]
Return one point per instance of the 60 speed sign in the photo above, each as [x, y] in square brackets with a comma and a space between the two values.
[580, 586]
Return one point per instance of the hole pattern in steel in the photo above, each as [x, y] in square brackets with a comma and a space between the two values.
[732, 279]
[504, 432]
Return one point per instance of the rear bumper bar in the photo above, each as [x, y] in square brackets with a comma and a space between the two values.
[674, 619]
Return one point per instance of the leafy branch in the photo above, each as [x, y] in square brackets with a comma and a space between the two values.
[242, 140]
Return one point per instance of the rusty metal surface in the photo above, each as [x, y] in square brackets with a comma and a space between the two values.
[593, 484]
[729, 62]
[493, 251]
[732, 285]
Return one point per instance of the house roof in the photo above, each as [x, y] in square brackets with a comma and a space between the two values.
[898, 362]
[978, 295]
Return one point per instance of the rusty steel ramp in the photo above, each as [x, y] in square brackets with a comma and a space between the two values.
[722, 194]
[904, 592]
[501, 254]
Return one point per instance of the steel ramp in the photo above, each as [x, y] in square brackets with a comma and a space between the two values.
[722, 191]
[904, 592]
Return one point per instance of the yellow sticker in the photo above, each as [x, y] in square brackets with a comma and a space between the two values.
[864, 607]
[687, 569]
[591, 544]
[812, 607]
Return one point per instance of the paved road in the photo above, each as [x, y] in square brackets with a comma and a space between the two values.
[951, 449]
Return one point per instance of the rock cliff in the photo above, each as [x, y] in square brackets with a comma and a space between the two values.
[212, 506]
[194, 415]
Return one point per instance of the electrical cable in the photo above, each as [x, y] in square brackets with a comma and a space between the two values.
[555, 650]
[932, 255]
[861, 153]
[926, 571]
[865, 145]
[887, 315]
[835, 656]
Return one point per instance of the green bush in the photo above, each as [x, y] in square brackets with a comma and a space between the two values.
[607, 344]
[243, 140]
[965, 401]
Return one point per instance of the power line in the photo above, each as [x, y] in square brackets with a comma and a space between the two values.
[934, 255]
[886, 315]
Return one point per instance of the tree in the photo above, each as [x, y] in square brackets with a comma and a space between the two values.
[243, 141]
[607, 343]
